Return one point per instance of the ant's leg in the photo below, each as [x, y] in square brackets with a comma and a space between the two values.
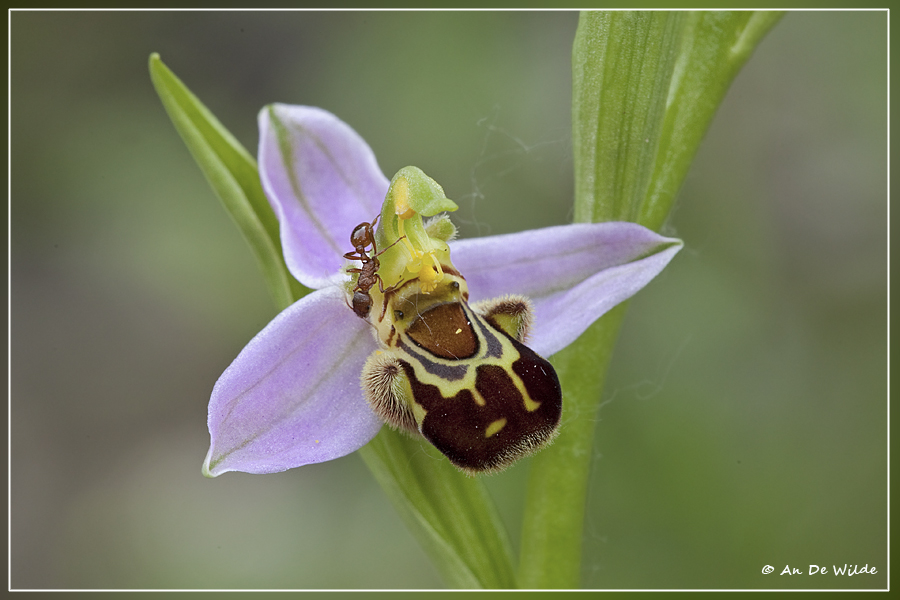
[370, 227]
[388, 248]
[381, 285]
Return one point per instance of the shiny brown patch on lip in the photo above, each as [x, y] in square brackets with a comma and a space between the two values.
[445, 331]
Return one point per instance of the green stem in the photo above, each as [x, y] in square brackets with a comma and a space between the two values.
[557, 486]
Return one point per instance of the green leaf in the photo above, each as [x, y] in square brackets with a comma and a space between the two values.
[233, 175]
[622, 63]
[646, 86]
[450, 514]
[714, 47]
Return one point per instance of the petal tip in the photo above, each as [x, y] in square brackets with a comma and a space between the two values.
[206, 470]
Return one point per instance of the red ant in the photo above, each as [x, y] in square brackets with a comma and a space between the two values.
[362, 237]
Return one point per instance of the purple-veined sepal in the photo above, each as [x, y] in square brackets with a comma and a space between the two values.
[292, 395]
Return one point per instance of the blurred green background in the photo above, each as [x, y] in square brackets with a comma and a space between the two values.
[745, 421]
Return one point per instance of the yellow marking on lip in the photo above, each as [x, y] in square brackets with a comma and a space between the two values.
[495, 427]
[531, 405]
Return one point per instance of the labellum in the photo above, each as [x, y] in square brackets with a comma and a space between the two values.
[459, 375]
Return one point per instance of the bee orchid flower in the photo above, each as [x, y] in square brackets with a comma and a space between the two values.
[293, 396]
